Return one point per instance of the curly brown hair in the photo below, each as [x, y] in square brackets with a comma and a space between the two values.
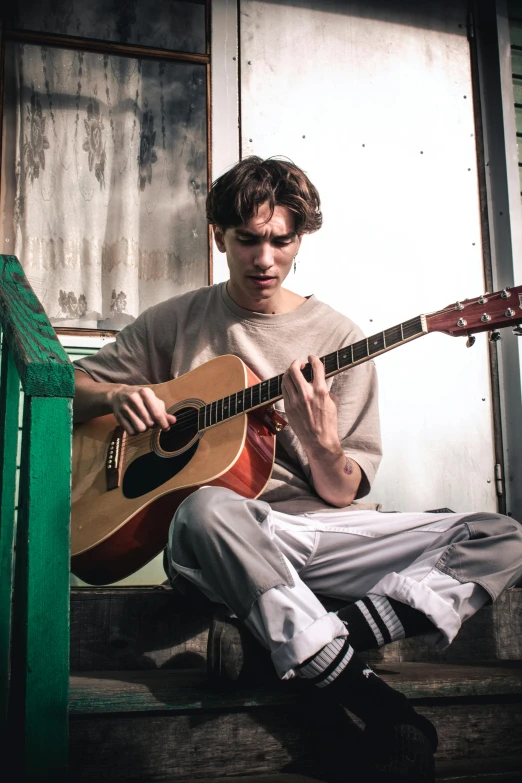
[236, 196]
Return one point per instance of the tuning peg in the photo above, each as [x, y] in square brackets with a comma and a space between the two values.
[470, 342]
[518, 330]
[494, 337]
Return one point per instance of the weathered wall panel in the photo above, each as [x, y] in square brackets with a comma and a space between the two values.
[376, 105]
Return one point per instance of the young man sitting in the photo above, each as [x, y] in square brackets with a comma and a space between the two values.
[309, 532]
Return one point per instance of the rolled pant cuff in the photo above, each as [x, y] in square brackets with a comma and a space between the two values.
[420, 596]
[307, 643]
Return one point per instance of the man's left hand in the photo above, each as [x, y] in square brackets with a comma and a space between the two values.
[310, 407]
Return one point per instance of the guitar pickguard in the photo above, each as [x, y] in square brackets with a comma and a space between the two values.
[150, 472]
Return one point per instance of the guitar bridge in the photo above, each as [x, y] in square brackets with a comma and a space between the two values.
[114, 461]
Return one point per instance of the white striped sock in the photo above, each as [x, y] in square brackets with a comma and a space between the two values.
[371, 622]
[322, 660]
[388, 616]
[338, 669]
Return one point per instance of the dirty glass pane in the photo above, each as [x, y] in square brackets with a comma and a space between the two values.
[166, 24]
[105, 172]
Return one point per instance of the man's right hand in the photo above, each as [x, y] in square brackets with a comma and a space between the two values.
[136, 408]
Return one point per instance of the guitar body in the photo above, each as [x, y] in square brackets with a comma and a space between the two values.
[115, 531]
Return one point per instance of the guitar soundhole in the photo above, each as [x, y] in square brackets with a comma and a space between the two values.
[181, 433]
[172, 451]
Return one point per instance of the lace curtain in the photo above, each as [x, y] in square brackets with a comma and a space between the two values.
[105, 164]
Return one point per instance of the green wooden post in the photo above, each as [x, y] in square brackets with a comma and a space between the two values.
[38, 700]
[40, 653]
[9, 405]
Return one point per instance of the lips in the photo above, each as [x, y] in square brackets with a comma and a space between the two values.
[261, 281]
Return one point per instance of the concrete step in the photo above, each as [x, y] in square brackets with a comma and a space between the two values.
[151, 628]
[160, 724]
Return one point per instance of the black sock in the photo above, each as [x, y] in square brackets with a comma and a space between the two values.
[343, 676]
[378, 620]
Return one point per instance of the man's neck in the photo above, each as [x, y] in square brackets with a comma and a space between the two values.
[283, 302]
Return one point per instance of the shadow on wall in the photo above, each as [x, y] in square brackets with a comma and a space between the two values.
[413, 13]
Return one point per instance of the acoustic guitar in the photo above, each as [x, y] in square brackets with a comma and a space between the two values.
[126, 488]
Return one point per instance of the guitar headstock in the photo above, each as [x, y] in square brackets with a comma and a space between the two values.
[483, 314]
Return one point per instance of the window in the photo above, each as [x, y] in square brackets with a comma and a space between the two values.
[105, 154]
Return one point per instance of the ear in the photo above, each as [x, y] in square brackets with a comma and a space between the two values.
[219, 236]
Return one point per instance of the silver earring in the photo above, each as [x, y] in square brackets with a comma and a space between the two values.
[295, 264]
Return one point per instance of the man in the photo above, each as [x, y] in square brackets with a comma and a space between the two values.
[308, 533]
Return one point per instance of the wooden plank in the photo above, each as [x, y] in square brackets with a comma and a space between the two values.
[516, 62]
[284, 777]
[163, 630]
[40, 651]
[515, 32]
[131, 629]
[43, 365]
[267, 740]
[181, 746]
[508, 625]
[477, 731]
[468, 770]
[426, 680]
[187, 690]
[518, 119]
[9, 404]
[160, 690]
[517, 90]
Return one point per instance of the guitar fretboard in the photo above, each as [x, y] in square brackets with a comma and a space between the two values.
[269, 391]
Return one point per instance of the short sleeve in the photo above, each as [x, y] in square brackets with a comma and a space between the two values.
[127, 360]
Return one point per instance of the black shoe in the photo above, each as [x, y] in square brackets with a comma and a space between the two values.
[234, 656]
[400, 753]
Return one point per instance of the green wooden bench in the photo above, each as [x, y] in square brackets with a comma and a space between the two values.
[34, 644]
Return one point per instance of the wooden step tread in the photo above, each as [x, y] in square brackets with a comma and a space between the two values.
[502, 769]
[187, 690]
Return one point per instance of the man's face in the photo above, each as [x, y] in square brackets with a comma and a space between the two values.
[260, 254]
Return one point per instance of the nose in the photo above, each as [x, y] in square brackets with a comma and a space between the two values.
[265, 257]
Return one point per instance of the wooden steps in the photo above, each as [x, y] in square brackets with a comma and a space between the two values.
[186, 690]
[142, 710]
[161, 723]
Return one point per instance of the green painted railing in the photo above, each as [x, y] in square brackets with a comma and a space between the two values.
[34, 549]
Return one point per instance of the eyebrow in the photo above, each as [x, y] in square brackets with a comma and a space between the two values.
[246, 233]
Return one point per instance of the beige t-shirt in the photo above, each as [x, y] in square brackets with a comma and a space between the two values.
[181, 333]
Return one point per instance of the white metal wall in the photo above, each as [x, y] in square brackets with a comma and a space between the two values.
[376, 106]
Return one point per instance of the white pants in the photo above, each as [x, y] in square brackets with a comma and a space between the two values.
[267, 566]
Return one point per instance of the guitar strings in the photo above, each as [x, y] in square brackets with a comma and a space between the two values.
[192, 414]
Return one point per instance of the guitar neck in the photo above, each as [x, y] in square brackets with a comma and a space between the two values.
[269, 391]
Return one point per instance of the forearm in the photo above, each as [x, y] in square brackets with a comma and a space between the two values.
[336, 477]
[91, 398]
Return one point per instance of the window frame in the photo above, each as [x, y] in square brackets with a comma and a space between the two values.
[8, 34]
